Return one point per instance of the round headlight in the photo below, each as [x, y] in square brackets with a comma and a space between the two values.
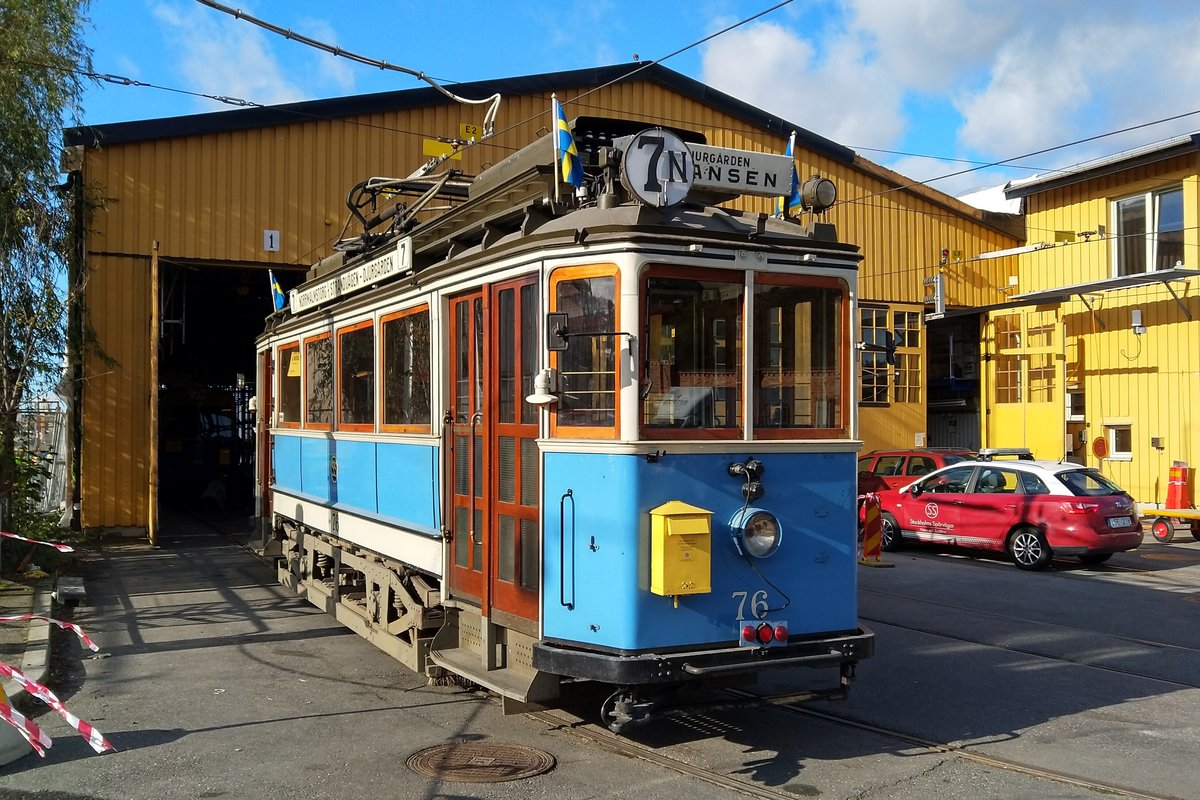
[759, 534]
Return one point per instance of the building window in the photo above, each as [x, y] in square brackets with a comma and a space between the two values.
[1075, 406]
[898, 333]
[1008, 379]
[907, 328]
[1149, 231]
[873, 323]
[1120, 442]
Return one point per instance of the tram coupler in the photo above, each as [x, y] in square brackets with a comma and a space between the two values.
[623, 710]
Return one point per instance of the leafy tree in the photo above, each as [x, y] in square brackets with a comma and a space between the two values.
[42, 56]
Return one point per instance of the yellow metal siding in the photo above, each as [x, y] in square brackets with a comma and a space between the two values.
[1150, 382]
[210, 197]
[115, 397]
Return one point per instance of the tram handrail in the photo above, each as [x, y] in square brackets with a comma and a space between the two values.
[562, 550]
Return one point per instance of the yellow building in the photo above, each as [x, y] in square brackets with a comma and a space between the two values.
[1097, 357]
[193, 212]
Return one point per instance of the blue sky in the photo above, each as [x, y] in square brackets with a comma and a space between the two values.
[916, 85]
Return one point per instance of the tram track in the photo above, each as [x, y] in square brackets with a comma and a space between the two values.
[613, 743]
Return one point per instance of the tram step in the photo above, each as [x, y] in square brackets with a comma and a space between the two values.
[506, 682]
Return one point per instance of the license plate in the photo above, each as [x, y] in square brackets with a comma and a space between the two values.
[1120, 522]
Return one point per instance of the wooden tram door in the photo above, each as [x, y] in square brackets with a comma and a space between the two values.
[494, 461]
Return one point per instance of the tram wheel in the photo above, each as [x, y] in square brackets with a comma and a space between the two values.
[621, 711]
[1028, 549]
[1163, 530]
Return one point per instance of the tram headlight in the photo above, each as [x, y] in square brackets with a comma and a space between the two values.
[756, 532]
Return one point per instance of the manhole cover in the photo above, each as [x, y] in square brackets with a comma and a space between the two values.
[480, 762]
[1168, 556]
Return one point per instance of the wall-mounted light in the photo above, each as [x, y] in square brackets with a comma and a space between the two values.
[1138, 327]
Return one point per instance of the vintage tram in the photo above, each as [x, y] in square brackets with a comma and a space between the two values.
[551, 435]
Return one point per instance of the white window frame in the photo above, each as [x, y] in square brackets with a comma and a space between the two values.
[1110, 433]
[1152, 206]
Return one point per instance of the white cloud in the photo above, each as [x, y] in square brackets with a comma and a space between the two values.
[219, 55]
[334, 72]
[846, 97]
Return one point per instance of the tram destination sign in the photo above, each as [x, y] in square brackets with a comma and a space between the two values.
[660, 169]
[392, 263]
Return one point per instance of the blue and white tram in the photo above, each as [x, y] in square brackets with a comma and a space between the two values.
[550, 437]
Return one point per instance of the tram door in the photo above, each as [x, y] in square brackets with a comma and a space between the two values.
[495, 461]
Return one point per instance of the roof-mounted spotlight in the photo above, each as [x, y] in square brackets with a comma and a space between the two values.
[818, 194]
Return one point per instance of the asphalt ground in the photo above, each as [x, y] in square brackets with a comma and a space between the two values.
[214, 681]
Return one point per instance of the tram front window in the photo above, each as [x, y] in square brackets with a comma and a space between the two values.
[799, 334]
[692, 377]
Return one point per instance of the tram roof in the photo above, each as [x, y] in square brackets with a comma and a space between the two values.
[288, 113]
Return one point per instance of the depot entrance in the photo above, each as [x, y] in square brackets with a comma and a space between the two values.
[209, 317]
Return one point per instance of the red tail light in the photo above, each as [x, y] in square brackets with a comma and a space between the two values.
[1080, 507]
[781, 633]
[765, 633]
[748, 633]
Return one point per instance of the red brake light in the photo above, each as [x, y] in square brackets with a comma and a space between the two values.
[748, 633]
[781, 633]
[765, 633]
[1079, 507]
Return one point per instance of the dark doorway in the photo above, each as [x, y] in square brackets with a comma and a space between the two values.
[209, 319]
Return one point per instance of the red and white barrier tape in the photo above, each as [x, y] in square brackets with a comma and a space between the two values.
[36, 737]
[62, 548]
[85, 729]
[70, 626]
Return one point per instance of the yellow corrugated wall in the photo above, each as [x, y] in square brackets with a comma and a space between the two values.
[1150, 382]
[210, 197]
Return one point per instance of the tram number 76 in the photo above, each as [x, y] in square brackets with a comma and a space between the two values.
[758, 604]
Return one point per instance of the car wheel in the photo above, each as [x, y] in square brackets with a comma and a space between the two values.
[1196, 529]
[1095, 558]
[892, 539]
[1163, 530]
[1028, 549]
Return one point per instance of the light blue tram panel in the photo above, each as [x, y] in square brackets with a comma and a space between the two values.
[595, 598]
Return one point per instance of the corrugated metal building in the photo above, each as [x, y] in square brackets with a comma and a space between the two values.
[1097, 360]
[194, 211]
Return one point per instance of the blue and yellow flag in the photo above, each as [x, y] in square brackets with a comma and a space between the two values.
[570, 165]
[277, 296]
[793, 199]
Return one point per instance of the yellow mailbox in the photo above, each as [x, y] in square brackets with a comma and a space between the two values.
[680, 549]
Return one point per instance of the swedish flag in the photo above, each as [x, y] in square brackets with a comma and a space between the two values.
[793, 199]
[277, 296]
[564, 145]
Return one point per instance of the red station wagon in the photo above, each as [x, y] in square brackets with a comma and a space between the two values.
[1033, 510]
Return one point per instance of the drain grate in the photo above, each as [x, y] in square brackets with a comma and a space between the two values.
[1168, 556]
[480, 762]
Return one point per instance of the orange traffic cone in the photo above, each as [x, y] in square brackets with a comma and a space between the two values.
[872, 550]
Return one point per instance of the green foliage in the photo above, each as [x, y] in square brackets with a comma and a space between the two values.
[42, 55]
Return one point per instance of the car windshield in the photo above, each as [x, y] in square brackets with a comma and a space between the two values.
[1088, 483]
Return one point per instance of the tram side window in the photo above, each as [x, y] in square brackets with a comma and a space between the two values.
[799, 364]
[356, 377]
[588, 367]
[692, 373]
[406, 370]
[287, 367]
[318, 382]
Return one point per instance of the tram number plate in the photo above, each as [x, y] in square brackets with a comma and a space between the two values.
[1120, 522]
